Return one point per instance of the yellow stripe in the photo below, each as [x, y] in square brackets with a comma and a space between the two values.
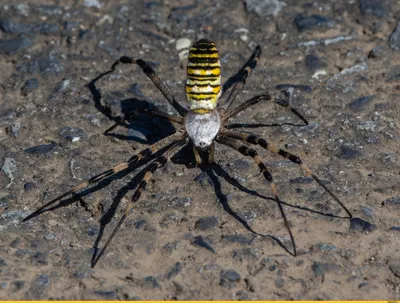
[204, 72]
[215, 55]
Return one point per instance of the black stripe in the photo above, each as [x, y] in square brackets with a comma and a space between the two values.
[203, 67]
[202, 85]
[204, 93]
[203, 60]
[204, 43]
[202, 52]
[190, 76]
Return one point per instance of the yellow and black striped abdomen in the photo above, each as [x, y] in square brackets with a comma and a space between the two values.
[203, 86]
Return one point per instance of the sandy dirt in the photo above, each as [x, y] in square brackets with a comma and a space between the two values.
[193, 233]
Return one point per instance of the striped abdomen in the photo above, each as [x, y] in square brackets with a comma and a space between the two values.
[203, 86]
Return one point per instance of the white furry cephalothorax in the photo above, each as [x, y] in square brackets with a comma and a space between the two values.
[202, 129]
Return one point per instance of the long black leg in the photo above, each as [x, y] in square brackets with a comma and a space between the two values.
[149, 72]
[157, 163]
[243, 74]
[265, 97]
[246, 151]
[256, 140]
[147, 152]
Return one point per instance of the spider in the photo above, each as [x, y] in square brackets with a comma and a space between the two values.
[201, 123]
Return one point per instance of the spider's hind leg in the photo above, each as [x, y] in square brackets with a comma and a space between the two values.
[149, 171]
[256, 140]
[246, 151]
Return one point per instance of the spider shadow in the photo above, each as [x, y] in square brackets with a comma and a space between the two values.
[214, 171]
[138, 124]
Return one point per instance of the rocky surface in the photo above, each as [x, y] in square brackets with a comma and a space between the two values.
[189, 235]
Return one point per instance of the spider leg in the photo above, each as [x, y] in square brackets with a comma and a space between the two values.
[265, 97]
[243, 74]
[149, 72]
[256, 140]
[142, 155]
[151, 168]
[150, 112]
[246, 151]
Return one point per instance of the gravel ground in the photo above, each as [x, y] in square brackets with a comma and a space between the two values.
[187, 237]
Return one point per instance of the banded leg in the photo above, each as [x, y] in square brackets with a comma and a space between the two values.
[246, 151]
[243, 74]
[149, 72]
[142, 155]
[150, 169]
[150, 112]
[256, 140]
[257, 99]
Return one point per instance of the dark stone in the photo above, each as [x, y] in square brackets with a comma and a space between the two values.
[42, 281]
[348, 153]
[324, 247]
[39, 258]
[241, 164]
[314, 63]
[373, 7]
[302, 180]
[359, 224]
[379, 52]
[176, 269]
[360, 103]
[14, 45]
[109, 294]
[320, 268]
[2, 262]
[139, 224]
[394, 40]
[394, 266]
[237, 238]
[46, 66]
[92, 231]
[228, 278]
[29, 86]
[71, 133]
[393, 201]
[41, 149]
[246, 254]
[203, 179]
[395, 228]
[17, 285]
[29, 186]
[263, 8]
[279, 282]
[206, 223]
[310, 22]
[8, 26]
[304, 88]
[199, 241]
[151, 282]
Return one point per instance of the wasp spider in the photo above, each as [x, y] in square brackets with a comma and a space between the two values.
[200, 123]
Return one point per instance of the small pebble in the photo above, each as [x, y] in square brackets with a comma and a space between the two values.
[394, 40]
[264, 7]
[228, 278]
[29, 86]
[206, 223]
[310, 22]
[360, 103]
[348, 153]
[394, 266]
[92, 3]
[15, 127]
[359, 224]
[373, 7]
[393, 201]
[108, 294]
[321, 269]
[14, 45]
[29, 186]
[199, 241]
[71, 133]
[176, 269]
[41, 149]
[314, 63]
